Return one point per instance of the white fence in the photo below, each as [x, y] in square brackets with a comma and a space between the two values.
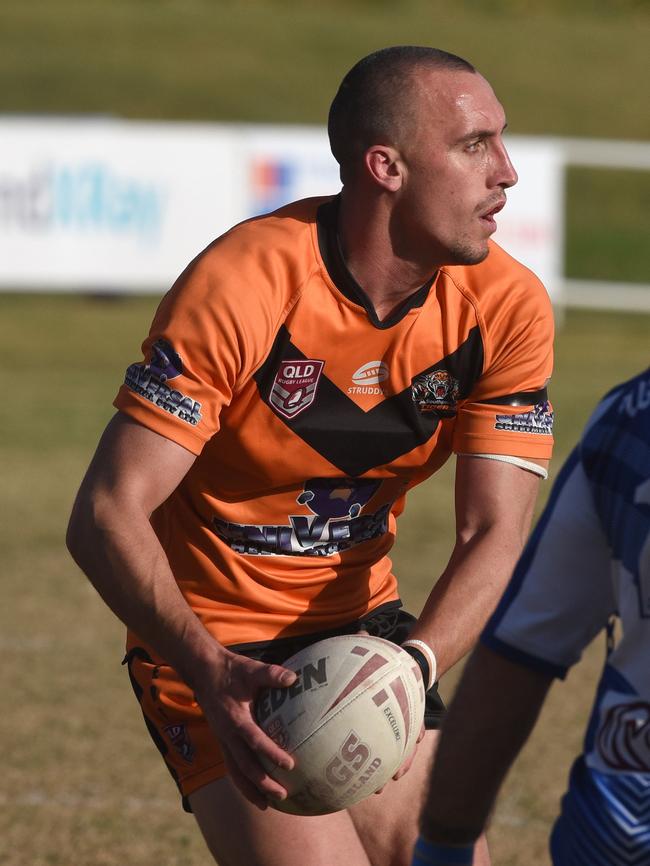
[111, 205]
[631, 155]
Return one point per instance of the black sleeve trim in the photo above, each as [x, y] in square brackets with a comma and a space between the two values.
[521, 398]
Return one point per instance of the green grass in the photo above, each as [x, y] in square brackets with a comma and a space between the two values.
[81, 784]
[608, 225]
[561, 69]
[568, 69]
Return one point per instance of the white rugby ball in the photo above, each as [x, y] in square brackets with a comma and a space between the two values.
[350, 720]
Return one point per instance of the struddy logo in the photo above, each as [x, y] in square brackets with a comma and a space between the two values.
[436, 392]
[368, 377]
[336, 523]
[312, 676]
[180, 740]
[371, 373]
[294, 386]
[539, 420]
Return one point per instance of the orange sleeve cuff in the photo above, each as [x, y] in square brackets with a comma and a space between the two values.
[156, 419]
[490, 429]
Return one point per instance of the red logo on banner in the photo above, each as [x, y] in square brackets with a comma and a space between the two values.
[294, 386]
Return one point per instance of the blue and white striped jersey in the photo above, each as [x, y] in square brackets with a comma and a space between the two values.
[587, 561]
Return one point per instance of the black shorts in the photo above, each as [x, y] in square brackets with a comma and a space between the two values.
[387, 621]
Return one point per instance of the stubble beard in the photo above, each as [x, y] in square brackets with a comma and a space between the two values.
[466, 254]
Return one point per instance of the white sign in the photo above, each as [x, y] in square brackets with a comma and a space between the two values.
[531, 226]
[284, 164]
[118, 205]
[111, 204]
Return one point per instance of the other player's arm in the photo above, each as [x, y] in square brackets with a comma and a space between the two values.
[481, 737]
[564, 597]
[494, 508]
[111, 538]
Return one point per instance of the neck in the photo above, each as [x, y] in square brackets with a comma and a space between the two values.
[368, 247]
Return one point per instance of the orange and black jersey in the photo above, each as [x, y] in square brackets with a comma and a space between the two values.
[311, 419]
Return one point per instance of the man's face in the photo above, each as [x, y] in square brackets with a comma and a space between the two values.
[456, 169]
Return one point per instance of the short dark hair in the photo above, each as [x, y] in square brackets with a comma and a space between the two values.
[368, 107]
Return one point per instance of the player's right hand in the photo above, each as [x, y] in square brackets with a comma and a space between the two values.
[227, 697]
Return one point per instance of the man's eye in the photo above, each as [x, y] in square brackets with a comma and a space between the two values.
[473, 146]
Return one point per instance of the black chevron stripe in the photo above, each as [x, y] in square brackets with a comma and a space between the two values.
[356, 441]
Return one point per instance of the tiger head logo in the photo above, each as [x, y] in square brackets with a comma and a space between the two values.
[436, 392]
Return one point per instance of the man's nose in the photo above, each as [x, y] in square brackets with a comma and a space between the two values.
[505, 175]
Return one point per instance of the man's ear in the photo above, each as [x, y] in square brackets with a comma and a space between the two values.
[384, 167]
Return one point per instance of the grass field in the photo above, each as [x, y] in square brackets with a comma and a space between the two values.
[568, 69]
[562, 69]
[81, 784]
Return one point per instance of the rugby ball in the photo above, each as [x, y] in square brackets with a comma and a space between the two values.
[350, 720]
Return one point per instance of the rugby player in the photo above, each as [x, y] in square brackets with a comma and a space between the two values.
[243, 501]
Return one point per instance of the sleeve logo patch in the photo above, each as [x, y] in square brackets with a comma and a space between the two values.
[150, 381]
[539, 420]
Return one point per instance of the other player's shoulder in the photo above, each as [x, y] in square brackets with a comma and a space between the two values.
[632, 398]
[614, 456]
[625, 408]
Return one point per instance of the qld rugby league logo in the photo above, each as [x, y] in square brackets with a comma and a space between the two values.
[294, 386]
[436, 392]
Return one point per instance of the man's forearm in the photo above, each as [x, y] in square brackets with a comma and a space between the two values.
[110, 536]
[494, 506]
[116, 547]
[466, 594]
[480, 739]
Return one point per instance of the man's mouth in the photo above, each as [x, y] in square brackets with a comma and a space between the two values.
[487, 216]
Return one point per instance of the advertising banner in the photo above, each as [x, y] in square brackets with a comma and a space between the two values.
[285, 164]
[110, 205]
